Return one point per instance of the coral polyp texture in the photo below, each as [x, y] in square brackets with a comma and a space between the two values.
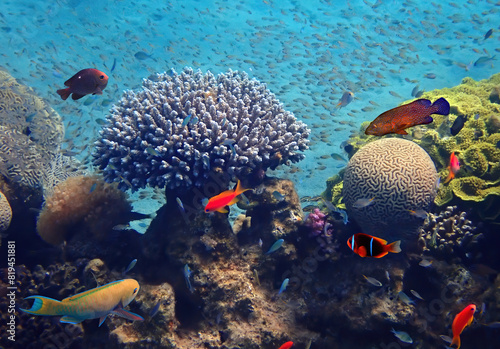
[30, 133]
[447, 233]
[5, 213]
[398, 175]
[180, 127]
[78, 203]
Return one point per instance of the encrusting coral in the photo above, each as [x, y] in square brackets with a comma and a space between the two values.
[83, 202]
[182, 127]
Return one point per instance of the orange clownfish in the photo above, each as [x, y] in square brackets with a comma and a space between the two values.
[227, 198]
[287, 345]
[453, 167]
[370, 246]
[461, 321]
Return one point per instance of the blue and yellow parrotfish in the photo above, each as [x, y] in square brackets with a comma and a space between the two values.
[92, 304]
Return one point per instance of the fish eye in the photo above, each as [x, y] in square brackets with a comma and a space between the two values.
[101, 77]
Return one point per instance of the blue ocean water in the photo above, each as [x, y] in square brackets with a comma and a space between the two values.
[308, 53]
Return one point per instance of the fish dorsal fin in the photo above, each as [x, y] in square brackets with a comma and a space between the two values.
[382, 241]
[423, 102]
[88, 292]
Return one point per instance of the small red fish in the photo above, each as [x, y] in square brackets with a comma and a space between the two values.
[219, 202]
[396, 120]
[287, 345]
[370, 246]
[461, 321]
[86, 81]
[453, 167]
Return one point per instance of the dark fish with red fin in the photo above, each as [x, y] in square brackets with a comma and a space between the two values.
[396, 120]
[370, 246]
[86, 81]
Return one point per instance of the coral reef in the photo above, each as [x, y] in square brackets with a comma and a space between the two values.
[181, 127]
[30, 133]
[477, 184]
[82, 203]
[5, 213]
[319, 227]
[398, 175]
[449, 234]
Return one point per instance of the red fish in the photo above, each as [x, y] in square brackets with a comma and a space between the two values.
[461, 321]
[370, 246]
[453, 167]
[287, 345]
[219, 202]
[86, 81]
[415, 113]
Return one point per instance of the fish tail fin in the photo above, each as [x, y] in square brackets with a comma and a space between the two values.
[64, 93]
[239, 189]
[455, 343]
[442, 106]
[43, 306]
[395, 247]
[451, 175]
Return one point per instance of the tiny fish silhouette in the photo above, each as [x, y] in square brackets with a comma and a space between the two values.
[346, 98]
[86, 81]
[396, 120]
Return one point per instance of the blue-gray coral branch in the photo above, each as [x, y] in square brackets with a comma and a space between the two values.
[180, 127]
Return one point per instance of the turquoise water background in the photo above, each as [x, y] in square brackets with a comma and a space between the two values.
[308, 53]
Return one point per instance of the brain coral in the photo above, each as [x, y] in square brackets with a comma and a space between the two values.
[81, 203]
[182, 126]
[5, 213]
[30, 132]
[399, 175]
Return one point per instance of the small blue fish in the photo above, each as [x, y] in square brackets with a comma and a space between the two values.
[278, 196]
[193, 121]
[482, 61]
[152, 151]
[223, 122]
[275, 246]
[186, 120]
[346, 98]
[100, 121]
[362, 203]
[130, 266]
[284, 284]
[187, 275]
[114, 65]
[422, 214]
[92, 188]
[338, 157]
[141, 55]
[155, 309]
[181, 205]
[343, 214]
[402, 336]
[403, 297]
[30, 117]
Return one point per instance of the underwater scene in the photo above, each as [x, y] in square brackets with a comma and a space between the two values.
[249, 174]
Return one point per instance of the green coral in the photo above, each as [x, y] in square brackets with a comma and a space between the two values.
[476, 145]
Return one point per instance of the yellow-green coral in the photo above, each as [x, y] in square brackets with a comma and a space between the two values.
[476, 145]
